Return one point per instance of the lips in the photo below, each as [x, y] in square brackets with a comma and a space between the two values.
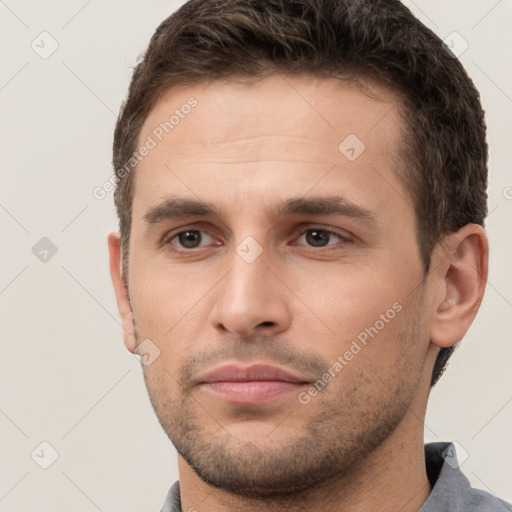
[254, 384]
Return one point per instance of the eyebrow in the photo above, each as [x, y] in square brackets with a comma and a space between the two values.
[176, 207]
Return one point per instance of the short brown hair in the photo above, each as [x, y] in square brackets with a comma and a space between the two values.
[445, 151]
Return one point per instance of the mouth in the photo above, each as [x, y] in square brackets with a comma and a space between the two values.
[254, 384]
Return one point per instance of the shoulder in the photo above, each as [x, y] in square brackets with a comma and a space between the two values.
[172, 501]
[451, 490]
[479, 501]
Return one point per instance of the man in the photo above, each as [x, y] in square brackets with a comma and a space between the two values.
[301, 193]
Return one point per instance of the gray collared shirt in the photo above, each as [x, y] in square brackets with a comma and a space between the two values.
[451, 490]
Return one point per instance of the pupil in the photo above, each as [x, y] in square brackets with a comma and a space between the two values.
[314, 236]
[190, 239]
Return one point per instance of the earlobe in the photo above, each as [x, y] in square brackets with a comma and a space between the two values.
[462, 265]
[122, 297]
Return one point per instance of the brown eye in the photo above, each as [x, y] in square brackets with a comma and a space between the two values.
[190, 239]
[315, 237]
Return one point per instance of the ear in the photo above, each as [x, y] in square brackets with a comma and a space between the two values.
[123, 303]
[461, 272]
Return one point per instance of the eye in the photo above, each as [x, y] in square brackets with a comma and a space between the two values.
[319, 237]
[190, 239]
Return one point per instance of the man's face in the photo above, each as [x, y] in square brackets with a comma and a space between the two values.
[260, 281]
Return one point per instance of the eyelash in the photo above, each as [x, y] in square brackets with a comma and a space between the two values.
[344, 239]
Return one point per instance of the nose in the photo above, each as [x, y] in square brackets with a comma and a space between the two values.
[251, 299]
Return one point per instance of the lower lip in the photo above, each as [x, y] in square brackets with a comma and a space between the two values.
[251, 392]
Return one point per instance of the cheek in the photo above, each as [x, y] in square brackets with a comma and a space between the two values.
[383, 350]
[348, 298]
[368, 318]
[164, 293]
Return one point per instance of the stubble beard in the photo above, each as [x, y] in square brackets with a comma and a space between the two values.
[348, 422]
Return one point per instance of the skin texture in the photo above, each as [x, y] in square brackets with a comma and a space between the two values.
[248, 146]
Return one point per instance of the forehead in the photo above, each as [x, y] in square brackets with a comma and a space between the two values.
[237, 137]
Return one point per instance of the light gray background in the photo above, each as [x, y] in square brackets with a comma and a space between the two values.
[65, 376]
